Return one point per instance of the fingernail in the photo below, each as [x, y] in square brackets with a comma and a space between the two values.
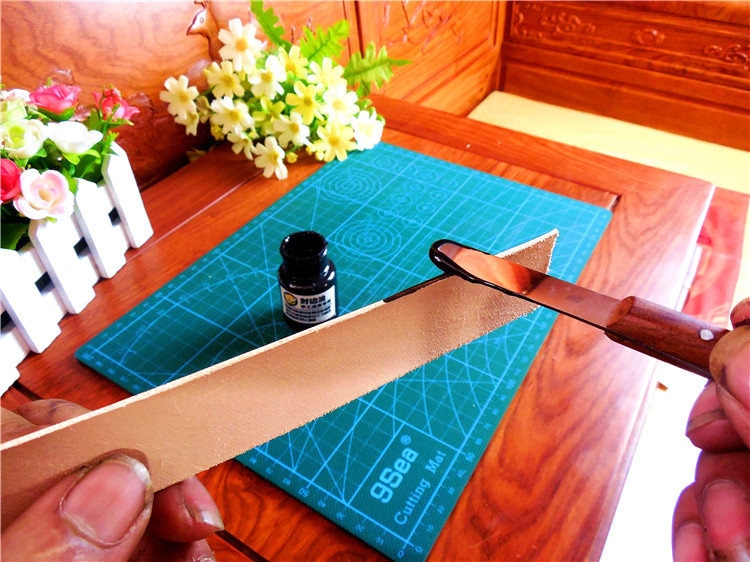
[736, 380]
[740, 314]
[688, 540]
[201, 552]
[107, 500]
[200, 505]
[726, 513]
[704, 419]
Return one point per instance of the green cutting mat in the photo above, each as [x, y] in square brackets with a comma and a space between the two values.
[390, 466]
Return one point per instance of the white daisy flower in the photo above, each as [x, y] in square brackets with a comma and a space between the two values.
[368, 129]
[241, 143]
[270, 157]
[240, 45]
[266, 81]
[231, 115]
[293, 130]
[339, 104]
[180, 97]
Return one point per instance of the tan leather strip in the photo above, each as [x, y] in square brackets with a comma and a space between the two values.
[201, 420]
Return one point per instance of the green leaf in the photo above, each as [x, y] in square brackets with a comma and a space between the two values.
[70, 157]
[94, 121]
[11, 233]
[22, 162]
[324, 42]
[72, 183]
[374, 68]
[89, 166]
[268, 22]
[51, 115]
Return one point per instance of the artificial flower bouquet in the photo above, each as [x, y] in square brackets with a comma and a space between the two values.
[47, 140]
[270, 102]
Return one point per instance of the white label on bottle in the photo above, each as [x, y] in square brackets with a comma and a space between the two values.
[309, 309]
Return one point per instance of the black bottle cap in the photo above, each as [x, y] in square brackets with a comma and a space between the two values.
[304, 254]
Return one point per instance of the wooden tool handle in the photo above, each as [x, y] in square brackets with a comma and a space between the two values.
[665, 334]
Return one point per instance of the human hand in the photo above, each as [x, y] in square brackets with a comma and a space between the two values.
[712, 516]
[106, 511]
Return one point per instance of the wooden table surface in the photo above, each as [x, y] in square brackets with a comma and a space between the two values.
[549, 482]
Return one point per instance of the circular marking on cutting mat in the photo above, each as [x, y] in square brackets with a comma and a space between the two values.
[419, 203]
[369, 238]
[339, 185]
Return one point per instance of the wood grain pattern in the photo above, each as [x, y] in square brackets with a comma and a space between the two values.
[534, 489]
[547, 486]
[721, 246]
[663, 333]
[652, 63]
[296, 532]
[453, 47]
[13, 398]
[136, 46]
[95, 45]
[689, 47]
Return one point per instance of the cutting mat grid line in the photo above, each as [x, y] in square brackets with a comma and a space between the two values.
[380, 210]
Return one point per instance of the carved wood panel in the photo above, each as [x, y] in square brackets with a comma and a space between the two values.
[687, 46]
[453, 47]
[683, 67]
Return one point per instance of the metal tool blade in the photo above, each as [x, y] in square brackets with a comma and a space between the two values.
[655, 330]
[514, 279]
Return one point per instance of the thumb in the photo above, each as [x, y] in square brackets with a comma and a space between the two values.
[98, 513]
[730, 367]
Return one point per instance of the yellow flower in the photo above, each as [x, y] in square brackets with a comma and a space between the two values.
[224, 80]
[231, 115]
[327, 74]
[267, 114]
[293, 62]
[305, 102]
[334, 142]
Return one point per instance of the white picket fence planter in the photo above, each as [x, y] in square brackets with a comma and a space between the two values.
[55, 274]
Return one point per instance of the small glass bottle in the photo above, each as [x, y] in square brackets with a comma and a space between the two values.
[307, 279]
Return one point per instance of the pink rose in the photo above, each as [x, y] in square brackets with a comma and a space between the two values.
[10, 174]
[56, 98]
[44, 195]
[111, 104]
